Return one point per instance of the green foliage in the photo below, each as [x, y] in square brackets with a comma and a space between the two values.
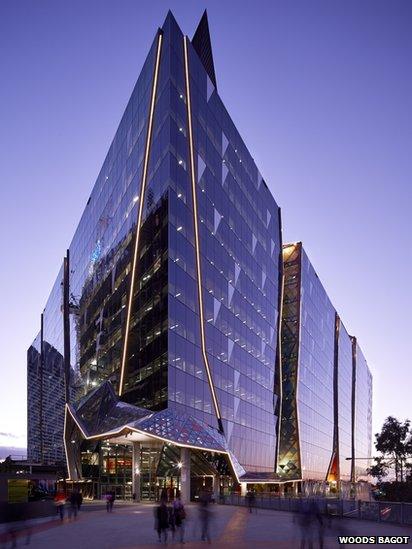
[379, 470]
[394, 443]
[395, 491]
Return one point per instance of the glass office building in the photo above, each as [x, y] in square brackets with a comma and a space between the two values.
[172, 285]
[164, 320]
[326, 387]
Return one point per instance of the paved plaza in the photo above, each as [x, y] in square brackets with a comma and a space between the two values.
[132, 525]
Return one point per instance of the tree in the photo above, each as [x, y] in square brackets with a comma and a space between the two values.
[379, 470]
[394, 442]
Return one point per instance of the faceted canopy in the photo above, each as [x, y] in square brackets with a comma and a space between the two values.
[100, 414]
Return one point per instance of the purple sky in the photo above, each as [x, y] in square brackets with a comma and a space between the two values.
[321, 92]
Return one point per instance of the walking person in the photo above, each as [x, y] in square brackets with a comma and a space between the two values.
[110, 497]
[204, 515]
[305, 520]
[73, 505]
[252, 501]
[162, 521]
[79, 500]
[318, 522]
[179, 517]
[60, 502]
[171, 518]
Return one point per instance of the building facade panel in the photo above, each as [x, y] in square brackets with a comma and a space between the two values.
[101, 255]
[239, 255]
[34, 405]
[315, 377]
[344, 402]
[46, 385]
[363, 416]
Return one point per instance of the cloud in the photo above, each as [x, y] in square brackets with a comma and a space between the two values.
[13, 451]
[9, 435]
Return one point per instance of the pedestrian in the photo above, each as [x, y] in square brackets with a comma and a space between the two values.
[204, 515]
[305, 520]
[252, 501]
[73, 505]
[318, 522]
[171, 519]
[60, 502]
[79, 500]
[247, 500]
[110, 497]
[162, 521]
[179, 517]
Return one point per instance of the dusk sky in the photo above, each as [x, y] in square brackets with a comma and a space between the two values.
[321, 92]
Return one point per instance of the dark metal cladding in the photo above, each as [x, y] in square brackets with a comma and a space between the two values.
[203, 46]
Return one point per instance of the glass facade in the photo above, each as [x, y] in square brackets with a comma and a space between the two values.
[46, 385]
[239, 245]
[308, 331]
[344, 403]
[315, 385]
[34, 402]
[363, 416]
[325, 410]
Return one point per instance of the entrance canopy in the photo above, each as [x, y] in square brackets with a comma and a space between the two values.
[100, 415]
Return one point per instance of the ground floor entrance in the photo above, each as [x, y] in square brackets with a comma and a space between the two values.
[152, 470]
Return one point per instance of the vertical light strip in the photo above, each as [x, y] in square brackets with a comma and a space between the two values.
[299, 246]
[196, 228]
[140, 211]
[280, 373]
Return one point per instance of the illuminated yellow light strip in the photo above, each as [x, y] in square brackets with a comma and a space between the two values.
[195, 223]
[140, 211]
[282, 289]
[299, 246]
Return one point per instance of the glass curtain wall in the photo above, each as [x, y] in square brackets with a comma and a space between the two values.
[240, 332]
[363, 416]
[344, 402]
[315, 386]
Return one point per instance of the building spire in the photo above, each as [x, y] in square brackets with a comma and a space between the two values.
[203, 47]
